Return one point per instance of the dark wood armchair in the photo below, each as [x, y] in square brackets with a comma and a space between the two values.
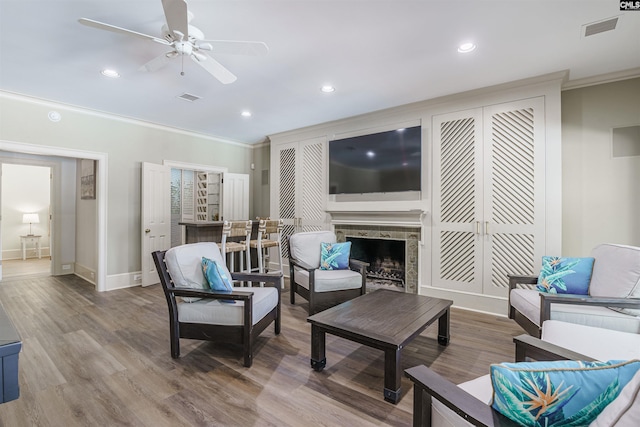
[428, 385]
[322, 288]
[242, 322]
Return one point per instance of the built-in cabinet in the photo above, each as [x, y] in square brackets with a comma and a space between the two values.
[300, 186]
[488, 196]
[207, 203]
[491, 199]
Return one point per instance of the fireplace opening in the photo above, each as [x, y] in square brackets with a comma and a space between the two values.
[386, 260]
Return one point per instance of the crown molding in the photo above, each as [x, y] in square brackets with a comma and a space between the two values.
[109, 116]
[602, 79]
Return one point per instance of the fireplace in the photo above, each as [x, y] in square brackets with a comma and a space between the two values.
[401, 241]
[386, 258]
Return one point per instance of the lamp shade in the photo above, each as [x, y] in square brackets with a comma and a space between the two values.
[30, 218]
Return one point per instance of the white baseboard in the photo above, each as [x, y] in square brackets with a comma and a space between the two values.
[121, 281]
[468, 301]
[86, 273]
[11, 254]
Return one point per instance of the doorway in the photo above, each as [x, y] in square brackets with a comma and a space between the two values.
[25, 228]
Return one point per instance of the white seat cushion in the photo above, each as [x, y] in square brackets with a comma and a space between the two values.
[527, 302]
[329, 280]
[215, 312]
[601, 344]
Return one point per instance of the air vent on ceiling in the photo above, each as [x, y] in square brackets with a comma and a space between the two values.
[599, 27]
[189, 97]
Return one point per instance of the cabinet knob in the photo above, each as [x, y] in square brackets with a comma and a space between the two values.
[147, 230]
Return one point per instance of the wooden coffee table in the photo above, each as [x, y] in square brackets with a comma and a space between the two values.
[382, 319]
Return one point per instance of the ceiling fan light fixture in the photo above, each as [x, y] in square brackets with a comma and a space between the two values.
[466, 47]
[107, 72]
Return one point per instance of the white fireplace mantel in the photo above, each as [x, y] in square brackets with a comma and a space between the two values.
[396, 218]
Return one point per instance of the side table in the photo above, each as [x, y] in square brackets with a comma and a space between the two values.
[24, 240]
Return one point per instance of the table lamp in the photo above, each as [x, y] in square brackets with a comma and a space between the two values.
[30, 218]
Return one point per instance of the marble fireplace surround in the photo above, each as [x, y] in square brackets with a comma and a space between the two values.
[405, 226]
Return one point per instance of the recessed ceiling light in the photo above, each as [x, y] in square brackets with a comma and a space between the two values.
[110, 73]
[327, 89]
[371, 154]
[466, 47]
[246, 113]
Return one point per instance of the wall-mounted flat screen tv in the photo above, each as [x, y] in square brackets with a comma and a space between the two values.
[385, 162]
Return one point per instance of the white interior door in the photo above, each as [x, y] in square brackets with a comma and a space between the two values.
[235, 196]
[156, 217]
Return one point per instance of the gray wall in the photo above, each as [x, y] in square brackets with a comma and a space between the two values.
[260, 189]
[601, 193]
[127, 144]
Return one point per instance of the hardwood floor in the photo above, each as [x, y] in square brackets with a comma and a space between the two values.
[102, 359]
[27, 267]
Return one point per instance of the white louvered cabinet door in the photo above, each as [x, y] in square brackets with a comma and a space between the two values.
[301, 188]
[457, 201]
[488, 196]
[514, 192]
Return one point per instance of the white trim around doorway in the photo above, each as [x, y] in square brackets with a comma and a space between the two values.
[101, 192]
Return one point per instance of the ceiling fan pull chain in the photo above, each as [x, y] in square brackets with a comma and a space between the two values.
[182, 61]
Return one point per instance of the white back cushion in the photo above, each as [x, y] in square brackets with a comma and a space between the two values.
[305, 246]
[624, 411]
[184, 264]
[616, 273]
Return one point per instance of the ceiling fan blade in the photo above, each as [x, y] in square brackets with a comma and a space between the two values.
[158, 62]
[175, 11]
[234, 47]
[113, 28]
[214, 68]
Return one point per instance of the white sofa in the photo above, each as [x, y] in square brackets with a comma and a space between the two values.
[468, 403]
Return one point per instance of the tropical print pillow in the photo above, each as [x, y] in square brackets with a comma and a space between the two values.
[335, 256]
[565, 275]
[560, 393]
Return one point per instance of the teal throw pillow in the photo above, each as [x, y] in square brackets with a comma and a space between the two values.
[216, 278]
[560, 393]
[335, 256]
[565, 275]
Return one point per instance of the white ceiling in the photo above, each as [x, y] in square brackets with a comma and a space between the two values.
[378, 54]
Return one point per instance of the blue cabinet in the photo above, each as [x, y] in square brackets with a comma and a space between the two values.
[10, 346]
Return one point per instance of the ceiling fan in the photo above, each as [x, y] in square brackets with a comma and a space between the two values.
[188, 40]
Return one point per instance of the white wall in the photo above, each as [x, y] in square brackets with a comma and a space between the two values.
[25, 189]
[86, 232]
[601, 194]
